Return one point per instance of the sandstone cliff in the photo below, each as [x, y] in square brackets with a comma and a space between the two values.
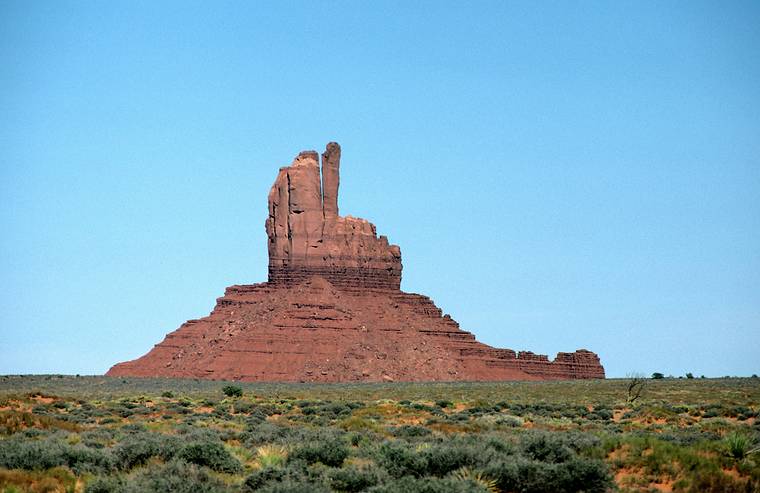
[332, 310]
[307, 237]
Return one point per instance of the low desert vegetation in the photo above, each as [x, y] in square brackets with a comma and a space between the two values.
[101, 435]
[232, 391]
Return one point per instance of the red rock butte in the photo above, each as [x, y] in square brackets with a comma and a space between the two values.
[333, 311]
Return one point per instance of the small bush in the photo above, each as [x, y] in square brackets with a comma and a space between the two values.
[546, 448]
[51, 452]
[179, 408]
[400, 460]
[261, 477]
[175, 477]
[243, 407]
[212, 455]
[429, 485]
[353, 479]
[410, 431]
[328, 410]
[261, 433]
[509, 421]
[443, 459]
[328, 452]
[574, 476]
[105, 484]
[295, 486]
[232, 391]
[136, 450]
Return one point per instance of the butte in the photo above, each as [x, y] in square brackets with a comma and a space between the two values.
[333, 311]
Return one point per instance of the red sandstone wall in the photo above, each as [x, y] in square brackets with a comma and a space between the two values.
[332, 310]
[315, 332]
[307, 237]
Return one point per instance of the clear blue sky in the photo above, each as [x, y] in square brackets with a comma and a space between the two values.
[558, 175]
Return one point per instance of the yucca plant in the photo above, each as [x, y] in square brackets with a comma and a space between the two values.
[271, 456]
[467, 474]
[739, 446]
[422, 447]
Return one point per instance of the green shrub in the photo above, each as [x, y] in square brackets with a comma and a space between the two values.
[443, 459]
[232, 391]
[97, 437]
[544, 447]
[509, 421]
[174, 477]
[352, 479]
[584, 475]
[212, 455]
[261, 477]
[574, 476]
[400, 460]
[410, 431]
[429, 485]
[499, 445]
[295, 486]
[261, 433]
[327, 410]
[136, 450]
[105, 484]
[243, 407]
[17, 453]
[418, 406]
[742, 412]
[330, 452]
[179, 408]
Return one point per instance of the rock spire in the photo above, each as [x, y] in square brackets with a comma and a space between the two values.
[332, 310]
[307, 237]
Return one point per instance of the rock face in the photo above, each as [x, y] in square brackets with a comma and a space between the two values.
[308, 238]
[333, 311]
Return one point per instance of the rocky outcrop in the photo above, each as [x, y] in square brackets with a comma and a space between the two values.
[332, 310]
[330, 180]
[307, 237]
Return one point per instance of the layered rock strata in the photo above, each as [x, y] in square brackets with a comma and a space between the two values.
[332, 310]
[307, 237]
